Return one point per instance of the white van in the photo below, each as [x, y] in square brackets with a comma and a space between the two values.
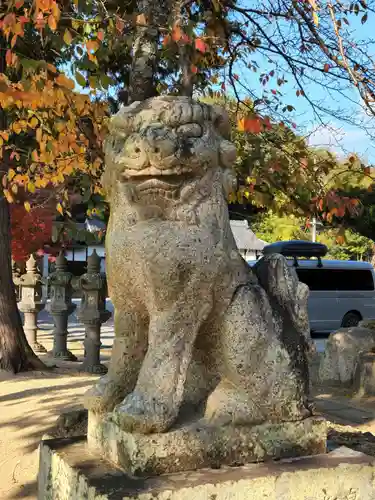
[342, 293]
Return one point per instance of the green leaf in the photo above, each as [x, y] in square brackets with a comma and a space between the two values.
[68, 37]
[106, 81]
[29, 64]
[81, 80]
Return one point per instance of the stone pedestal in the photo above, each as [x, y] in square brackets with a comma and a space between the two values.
[70, 471]
[31, 303]
[364, 378]
[198, 445]
[61, 307]
[92, 312]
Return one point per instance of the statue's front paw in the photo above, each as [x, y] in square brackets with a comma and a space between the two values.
[144, 415]
[103, 396]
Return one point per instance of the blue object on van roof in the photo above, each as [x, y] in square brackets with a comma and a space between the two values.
[297, 248]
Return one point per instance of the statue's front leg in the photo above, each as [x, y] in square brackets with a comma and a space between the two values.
[154, 404]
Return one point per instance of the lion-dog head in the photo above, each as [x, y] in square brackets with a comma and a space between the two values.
[161, 151]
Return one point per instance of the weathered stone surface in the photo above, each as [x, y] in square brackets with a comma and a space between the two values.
[31, 302]
[367, 323]
[71, 423]
[342, 352]
[193, 324]
[92, 312]
[69, 471]
[199, 445]
[364, 376]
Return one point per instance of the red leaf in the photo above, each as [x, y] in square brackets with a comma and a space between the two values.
[236, 77]
[326, 67]
[294, 125]
[273, 92]
[193, 69]
[200, 45]
[223, 87]
[267, 123]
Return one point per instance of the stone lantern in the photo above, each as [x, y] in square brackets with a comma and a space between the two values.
[16, 275]
[92, 312]
[60, 307]
[31, 302]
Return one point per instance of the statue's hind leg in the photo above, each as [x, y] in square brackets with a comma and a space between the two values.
[258, 382]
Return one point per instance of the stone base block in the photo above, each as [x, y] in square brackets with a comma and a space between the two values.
[70, 471]
[200, 445]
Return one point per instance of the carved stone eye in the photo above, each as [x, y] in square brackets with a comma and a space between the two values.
[117, 144]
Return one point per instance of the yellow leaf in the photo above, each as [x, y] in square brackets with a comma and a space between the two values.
[4, 135]
[8, 196]
[59, 208]
[1, 141]
[241, 125]
[33, 122]
[17, 127]
[316, 19]
[34, 155]
[11, 174]
[55, 11]
[31, 187]
[27, 206]
[14, 188]
[63, 81]
[67, 37]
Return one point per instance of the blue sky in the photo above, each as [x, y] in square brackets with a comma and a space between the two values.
[327, 130]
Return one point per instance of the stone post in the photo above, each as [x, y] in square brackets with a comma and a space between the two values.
[60, 307]
[31, 302]
[92, 312]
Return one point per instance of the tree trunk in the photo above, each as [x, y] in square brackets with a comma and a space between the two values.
[15, 353]
[153, 16]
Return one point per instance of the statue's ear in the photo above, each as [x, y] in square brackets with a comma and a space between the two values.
[221, 121]
[228, 154]
[106, 180]
[229, 181]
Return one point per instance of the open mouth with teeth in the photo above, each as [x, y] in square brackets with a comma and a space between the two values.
[164, 182]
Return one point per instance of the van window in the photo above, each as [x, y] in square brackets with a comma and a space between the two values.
[336, 279]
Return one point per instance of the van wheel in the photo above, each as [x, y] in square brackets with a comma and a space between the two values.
[350, 319]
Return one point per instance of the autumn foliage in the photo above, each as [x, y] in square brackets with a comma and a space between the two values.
[30, 230]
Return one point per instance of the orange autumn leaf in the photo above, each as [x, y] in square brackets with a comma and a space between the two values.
[8, 57]
[52, 23]
[141, 19]
[63, 81]
[252, 125]
[166, 40]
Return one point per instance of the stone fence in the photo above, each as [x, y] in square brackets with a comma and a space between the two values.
[61, 285]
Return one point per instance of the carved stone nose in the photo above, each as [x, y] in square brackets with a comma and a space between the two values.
[160, 142]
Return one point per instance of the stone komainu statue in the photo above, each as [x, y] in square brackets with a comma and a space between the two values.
[193, 324]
